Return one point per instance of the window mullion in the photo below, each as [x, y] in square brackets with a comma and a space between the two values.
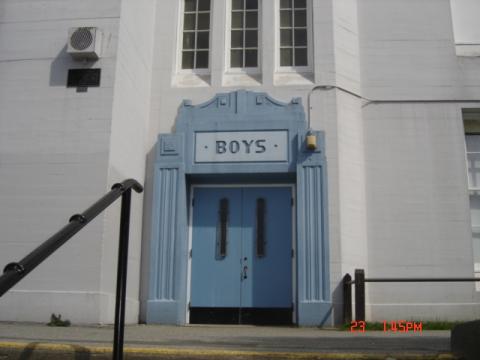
[293, 32]
[195, 34]
[244, 32]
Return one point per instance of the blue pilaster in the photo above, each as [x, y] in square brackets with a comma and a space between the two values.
[168, 246]
[314, 299]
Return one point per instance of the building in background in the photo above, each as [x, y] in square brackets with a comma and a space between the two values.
[206, 102]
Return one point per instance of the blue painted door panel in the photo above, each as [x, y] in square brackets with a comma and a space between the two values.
[215, 280]
[269, 281]
[242, 278]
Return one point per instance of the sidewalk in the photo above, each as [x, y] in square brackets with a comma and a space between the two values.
[229, 342]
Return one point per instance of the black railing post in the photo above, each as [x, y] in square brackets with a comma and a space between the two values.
[347, 299]
[121, 276]
[359, 295]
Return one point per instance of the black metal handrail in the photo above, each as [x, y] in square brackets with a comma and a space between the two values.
[359, 283]
[16, 271]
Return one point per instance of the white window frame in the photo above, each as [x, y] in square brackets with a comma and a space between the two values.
[294, 69]
[228, 38]
[179, 70]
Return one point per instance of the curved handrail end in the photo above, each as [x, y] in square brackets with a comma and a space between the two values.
[127, 184]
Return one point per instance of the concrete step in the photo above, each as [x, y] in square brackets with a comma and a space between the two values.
[26, 341]
[51, 351]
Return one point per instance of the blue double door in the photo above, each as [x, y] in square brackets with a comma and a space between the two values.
[241, 251]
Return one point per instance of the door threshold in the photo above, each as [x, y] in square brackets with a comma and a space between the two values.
[241, 316]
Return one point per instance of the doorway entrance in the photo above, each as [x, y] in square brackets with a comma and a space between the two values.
[241, 255]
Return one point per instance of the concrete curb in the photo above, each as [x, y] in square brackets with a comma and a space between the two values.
[21, 351]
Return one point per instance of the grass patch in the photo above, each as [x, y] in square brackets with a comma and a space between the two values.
[440, 325]
[426, 325]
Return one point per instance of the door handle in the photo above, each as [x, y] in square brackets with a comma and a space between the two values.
[244, 272]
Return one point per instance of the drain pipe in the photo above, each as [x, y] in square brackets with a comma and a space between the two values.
[372, 101]
[311, 138]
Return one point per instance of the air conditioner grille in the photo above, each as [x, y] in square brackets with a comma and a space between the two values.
[81, 39]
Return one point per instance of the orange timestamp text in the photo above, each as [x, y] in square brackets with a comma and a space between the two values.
[396, 326]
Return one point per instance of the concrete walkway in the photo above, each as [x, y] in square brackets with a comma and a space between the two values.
[231, 341]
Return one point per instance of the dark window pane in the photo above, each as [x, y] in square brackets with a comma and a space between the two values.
[251, 58]
[202, 60]
[203, 5]
[286, 57]
[251, 4]
[300, 18]
[188, 40]
[237, 20]
[300, 4]
[260, 238]
[301, 57]
[236, 58]
[204, 21]
[286, 37]
[190, 5]
[300, 37]
[251, 38]
[285, 18]
[202, 40]
[189, 22]
[285, 4]
[222, 229]
[251, 19]
[187, 59]
[237, 39]
[237, 4]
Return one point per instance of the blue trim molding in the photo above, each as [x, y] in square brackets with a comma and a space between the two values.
[237, 112]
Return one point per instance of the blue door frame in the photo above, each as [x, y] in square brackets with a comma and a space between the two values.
[176, 164]
[249, 265]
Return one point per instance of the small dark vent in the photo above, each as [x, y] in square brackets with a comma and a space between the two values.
[83, 78]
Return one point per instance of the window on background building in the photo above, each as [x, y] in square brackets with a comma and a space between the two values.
[471, 121]
[196, 34]
[244, 34]
[293, 33]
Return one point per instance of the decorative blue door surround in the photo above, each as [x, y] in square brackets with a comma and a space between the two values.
[252, 137]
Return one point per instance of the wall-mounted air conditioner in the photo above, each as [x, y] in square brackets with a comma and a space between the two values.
[84, 43]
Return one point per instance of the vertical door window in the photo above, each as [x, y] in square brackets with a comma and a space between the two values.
[222, 229]
[244, 34]
[196, 34]
[293, 33]
[260, 235]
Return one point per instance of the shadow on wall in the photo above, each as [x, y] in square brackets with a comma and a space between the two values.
[145, 250]
[61, 64]
[337, 304]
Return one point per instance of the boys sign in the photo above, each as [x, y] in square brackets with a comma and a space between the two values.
[241, 146]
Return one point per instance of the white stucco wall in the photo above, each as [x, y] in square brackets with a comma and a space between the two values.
[54, 145]
[418, 211]
[403, 55]
[418, 214]
[465, 21]
[130, 118]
